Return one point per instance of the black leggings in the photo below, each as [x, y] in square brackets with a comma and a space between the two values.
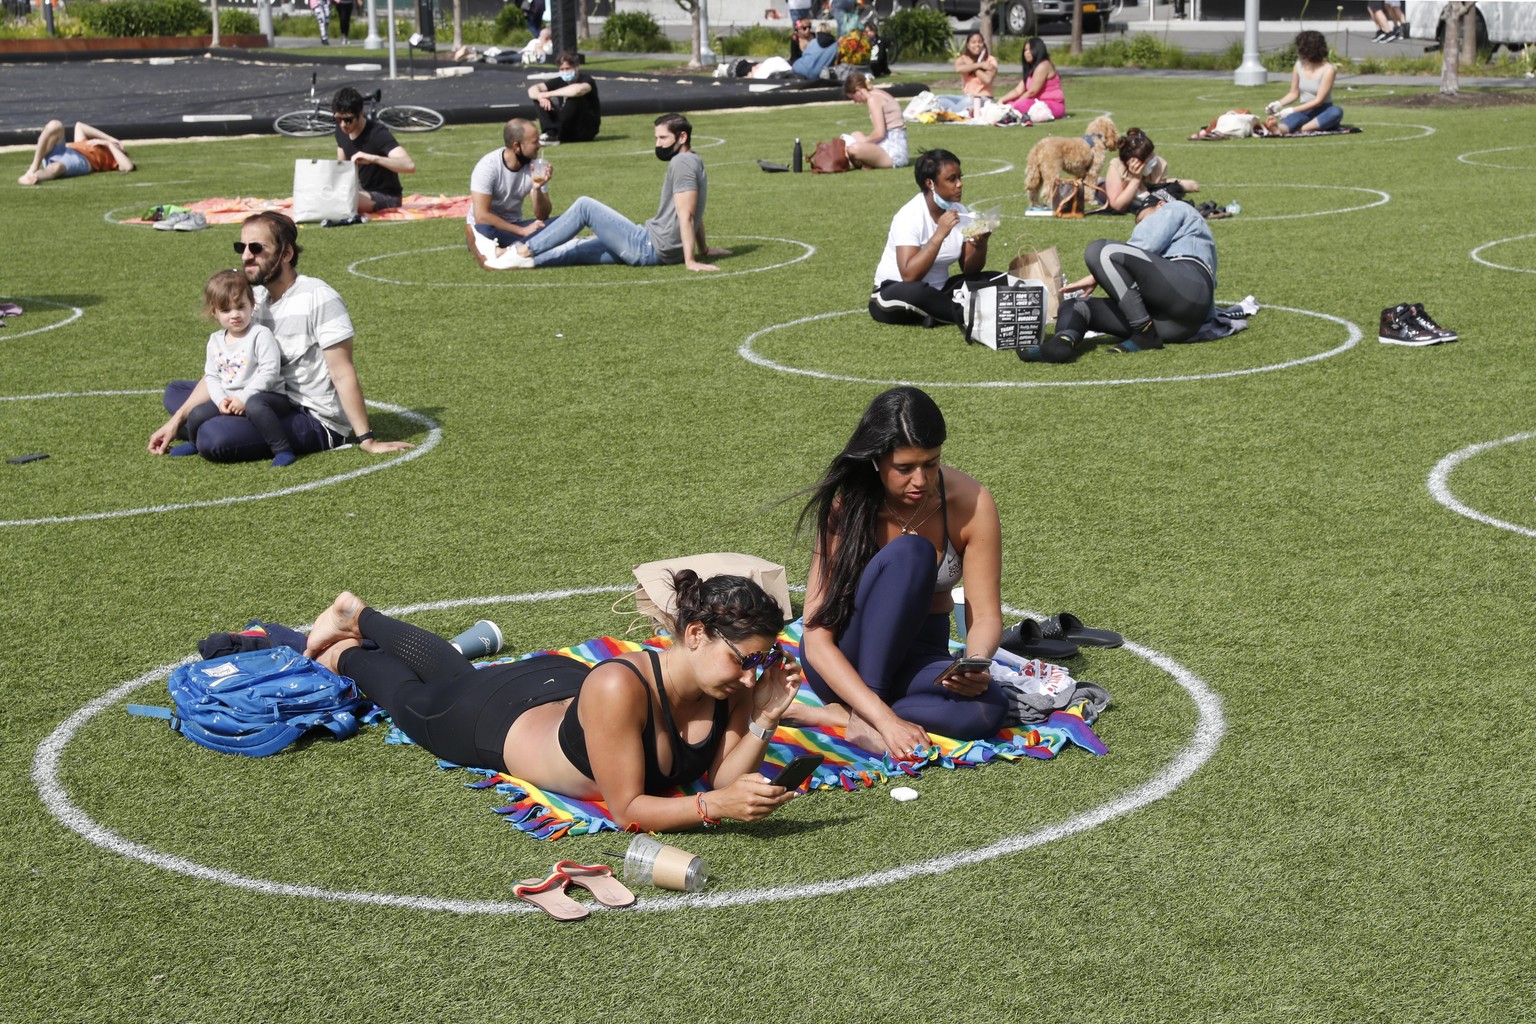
[442, 702]
[1173, 295]
[264, 410]
[909, 303]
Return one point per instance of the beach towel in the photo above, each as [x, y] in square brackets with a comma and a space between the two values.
[546, 815]
[413, 207]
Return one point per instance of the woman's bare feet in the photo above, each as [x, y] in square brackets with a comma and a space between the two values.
[861, 734]
[833, 715]
[338, 622]
[331, 656]
[30, 178]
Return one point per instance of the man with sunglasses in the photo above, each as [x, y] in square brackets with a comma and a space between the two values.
[315, 334]
[379, 159]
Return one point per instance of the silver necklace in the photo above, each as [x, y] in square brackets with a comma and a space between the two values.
[909, 526]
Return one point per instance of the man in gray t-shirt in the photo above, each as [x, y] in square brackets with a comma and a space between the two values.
[674, 235]
[501, 181]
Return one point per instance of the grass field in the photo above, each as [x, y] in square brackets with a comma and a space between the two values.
[1357, 847]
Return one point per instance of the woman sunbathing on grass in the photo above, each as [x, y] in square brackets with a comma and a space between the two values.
[895, 531]
[629, 731]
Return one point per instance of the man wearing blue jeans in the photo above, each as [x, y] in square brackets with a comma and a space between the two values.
[674, 235]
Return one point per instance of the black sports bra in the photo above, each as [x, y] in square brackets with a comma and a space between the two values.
[689, 761]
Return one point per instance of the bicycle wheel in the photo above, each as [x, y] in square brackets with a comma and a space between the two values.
[410, 119]
[304, 124]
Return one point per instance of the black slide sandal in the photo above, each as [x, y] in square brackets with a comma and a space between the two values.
[1066, 626]
[1027, 641]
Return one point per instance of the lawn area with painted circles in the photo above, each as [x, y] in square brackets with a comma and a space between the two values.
[1498, 481]
[395, 799]
[848, 345]
[91, 471]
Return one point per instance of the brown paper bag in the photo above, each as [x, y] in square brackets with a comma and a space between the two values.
[655, 601]
[1042, 265]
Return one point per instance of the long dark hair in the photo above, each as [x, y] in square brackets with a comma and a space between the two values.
[846, 503]
[730, 606]
[1037, 50]
[1134, 144]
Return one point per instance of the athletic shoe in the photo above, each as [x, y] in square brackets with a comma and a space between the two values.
[1394, 35]
[1381, 36]
[549, 139]
[1398, 329]
[169, 222]
[1421, 319]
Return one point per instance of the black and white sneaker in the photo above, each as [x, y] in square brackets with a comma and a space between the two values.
[549, 139]
[1421, 320]
[1381, 36]
[1397, 328]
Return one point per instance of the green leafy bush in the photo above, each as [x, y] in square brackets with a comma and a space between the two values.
[510, 20]
[754, 41]
[633, 32]
[237, 23]
[146, 18]
[921, 32]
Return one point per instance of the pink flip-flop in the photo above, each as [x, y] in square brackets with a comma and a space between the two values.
[598, 880]
[548, 894]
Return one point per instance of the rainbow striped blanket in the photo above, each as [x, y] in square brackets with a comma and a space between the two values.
[546, 815]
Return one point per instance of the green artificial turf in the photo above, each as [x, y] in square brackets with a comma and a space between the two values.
[1357, 848]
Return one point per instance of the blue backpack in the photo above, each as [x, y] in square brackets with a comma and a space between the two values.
[257, 703]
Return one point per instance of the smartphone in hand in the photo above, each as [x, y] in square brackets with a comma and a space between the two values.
[960, 666]
[795, 773]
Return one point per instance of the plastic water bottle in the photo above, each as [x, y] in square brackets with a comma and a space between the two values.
[799, 157]
[1234, 208]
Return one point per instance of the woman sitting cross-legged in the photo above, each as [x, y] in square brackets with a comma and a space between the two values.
[912, 282]
[895, 531]
[629, 731]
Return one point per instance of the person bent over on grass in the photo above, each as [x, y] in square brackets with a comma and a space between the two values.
[372, 148]
[1161, 284]
[93, 150]
[500, 182]
[630, 731]
[569, 108]
[674, 235]
[319, 378]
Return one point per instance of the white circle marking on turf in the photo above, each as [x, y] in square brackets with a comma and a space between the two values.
[1382, 198]
[1501, 149]
[1440, 488]
[746, 352]
[75, 313]
[519, 275]
[1209, 730]
[434, 435]
[1499, 266]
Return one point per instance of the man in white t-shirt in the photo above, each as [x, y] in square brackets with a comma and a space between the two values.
[315, 334]
[500, 182]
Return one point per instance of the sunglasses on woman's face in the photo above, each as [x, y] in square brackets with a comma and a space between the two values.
[257, 248]
[757, 659]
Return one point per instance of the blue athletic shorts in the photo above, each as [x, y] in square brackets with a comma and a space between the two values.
[75, 163]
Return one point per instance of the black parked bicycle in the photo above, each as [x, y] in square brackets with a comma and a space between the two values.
[318, 120]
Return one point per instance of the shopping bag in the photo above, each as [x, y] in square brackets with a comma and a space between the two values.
[831, 157]
[656, 603]
[1042, 265]
[1005, 313]
[324, 190]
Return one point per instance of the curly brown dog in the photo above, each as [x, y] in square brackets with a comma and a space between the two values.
[1056, 157]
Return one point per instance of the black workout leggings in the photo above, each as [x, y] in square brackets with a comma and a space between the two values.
[1175, 295]
[442, 702]
[909, 302]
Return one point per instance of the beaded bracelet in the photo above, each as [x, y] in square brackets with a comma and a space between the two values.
[704, 813]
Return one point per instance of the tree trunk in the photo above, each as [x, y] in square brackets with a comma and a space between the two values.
[458, 24]
[1077, 27]
[697, 59]
[264, 21]
[583, 27]
[1450, 50]
[213, 12]
[1469, 35]
[987, 10]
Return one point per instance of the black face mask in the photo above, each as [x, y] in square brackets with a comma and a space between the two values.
[666, 153]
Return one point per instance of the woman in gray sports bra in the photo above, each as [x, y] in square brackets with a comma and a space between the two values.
[628, 731]
[1311, 90]
[894, 531]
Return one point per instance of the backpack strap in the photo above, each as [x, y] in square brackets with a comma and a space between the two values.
[150, 711]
